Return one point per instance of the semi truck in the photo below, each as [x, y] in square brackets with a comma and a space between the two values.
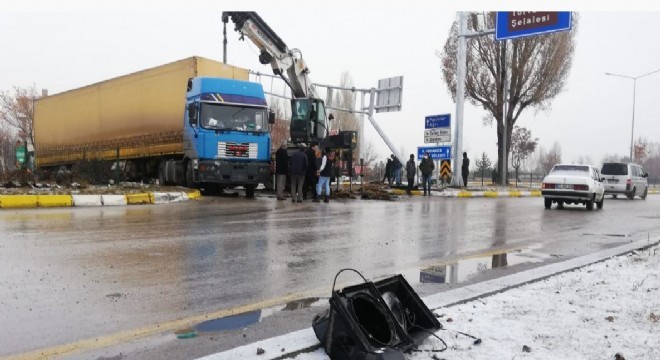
[194, 122]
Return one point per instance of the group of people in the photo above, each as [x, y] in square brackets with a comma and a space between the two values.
[393, 169]
[306, 175]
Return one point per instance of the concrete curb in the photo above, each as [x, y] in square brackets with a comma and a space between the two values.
[305, 340]
[33, 201]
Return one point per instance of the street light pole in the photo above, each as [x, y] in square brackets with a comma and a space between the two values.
[632, 130]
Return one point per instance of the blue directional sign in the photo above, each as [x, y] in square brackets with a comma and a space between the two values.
[435, 152]
[516, 24]
[437, 121]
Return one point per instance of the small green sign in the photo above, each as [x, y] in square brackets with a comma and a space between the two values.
[20, 154]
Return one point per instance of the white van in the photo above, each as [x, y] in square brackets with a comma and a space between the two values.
[625, 179]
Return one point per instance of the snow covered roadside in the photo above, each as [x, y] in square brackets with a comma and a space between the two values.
[594, 312]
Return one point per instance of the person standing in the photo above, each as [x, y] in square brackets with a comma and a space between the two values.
[324, 172]
[281, 169]
[388, 170]
[310, 176]
[298, 169]
[465, 169]
[411, 169]
[398, 169]
[426, 167]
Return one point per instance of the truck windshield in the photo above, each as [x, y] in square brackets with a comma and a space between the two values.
[233, 117]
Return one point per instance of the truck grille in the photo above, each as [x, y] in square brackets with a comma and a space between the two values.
[231, 150]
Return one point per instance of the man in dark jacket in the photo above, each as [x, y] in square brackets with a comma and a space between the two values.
[388, 171]
[281, 169]
[427, 166]
[298, 169]
[398, 169]
[310, 177]
[411, 169]
[465, 169]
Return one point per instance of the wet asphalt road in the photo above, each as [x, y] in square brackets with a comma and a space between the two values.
[78, 273]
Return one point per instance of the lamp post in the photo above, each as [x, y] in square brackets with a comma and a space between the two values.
[632, 130]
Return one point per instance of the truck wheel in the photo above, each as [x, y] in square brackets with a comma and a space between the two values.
[190, 183]
[249, 191]
[548, 203]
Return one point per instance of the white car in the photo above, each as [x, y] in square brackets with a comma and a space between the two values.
[573, 184]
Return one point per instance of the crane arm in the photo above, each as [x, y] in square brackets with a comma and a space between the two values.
[274, 51]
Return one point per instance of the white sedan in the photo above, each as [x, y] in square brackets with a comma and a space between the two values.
[573, 184]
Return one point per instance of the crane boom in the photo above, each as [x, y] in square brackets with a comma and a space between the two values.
[274, 51]
[308, 116]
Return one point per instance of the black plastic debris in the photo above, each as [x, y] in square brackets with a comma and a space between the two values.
[374, 321]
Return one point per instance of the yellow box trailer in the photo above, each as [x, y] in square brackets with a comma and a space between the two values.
[132, 116]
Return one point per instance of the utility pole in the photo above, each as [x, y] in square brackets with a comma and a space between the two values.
[463, 34]
[456, 177]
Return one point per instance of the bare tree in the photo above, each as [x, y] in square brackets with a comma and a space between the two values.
[280, 130]
[483, 164]
[640, 149]
[611, 158]
[345, 99]
[535, 69]
[549, 159]
[651, 163]
[522, 145]
[583, 159]
[370, 154]
[17, 111]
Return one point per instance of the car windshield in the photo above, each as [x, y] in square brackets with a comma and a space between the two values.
[614, 169]
[231, 117]
[570, 168]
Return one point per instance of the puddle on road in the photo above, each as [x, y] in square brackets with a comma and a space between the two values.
[233, 322]
[243, 320]
[300, 304]
[463, 269]
[610, 235]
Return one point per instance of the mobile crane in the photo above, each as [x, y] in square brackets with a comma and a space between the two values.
[309, 123]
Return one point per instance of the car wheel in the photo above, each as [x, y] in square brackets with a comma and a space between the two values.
[599, 204]
[646, 192]
[631, 194]
[548, 203]
[590, 203]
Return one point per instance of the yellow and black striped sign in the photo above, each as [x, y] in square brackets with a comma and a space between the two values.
[445, 168]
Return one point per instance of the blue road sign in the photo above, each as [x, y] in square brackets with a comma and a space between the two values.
[437, 121]
[515, 24]
[435, 152]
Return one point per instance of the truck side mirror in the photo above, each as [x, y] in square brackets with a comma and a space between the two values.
[192, 114]
[645, 175]
[331, 117]
[271, 117]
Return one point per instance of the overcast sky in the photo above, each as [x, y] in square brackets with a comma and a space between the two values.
[77, 43]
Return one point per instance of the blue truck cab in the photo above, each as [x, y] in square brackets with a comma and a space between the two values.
[226, 139]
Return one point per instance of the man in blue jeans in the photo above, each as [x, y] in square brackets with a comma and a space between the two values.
[324, 172]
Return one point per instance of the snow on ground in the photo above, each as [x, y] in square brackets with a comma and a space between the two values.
[591, 313]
